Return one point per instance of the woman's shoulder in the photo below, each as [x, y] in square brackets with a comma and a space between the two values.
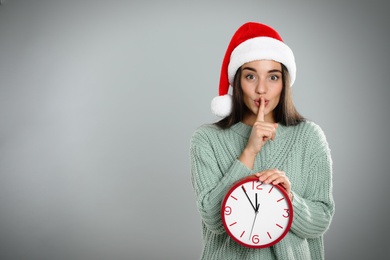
[209, 130]
[312, 135]
[204, 132]
[310, 128]
[206, 129]
[315, 129]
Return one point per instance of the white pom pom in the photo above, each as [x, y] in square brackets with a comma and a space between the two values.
[222, 105]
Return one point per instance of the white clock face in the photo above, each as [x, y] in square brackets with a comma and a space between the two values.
[255, 214]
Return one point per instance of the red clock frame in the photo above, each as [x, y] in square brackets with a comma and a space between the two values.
[240, 182]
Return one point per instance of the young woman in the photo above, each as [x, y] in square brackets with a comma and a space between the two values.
[262, 134]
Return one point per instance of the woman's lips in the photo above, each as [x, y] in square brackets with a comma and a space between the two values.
[257, 102]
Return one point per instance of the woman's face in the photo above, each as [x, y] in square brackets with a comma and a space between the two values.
[262, 78]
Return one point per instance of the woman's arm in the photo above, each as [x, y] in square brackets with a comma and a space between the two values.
[210, 183]
[314, 210]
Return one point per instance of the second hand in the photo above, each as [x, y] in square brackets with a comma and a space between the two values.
[254, 220]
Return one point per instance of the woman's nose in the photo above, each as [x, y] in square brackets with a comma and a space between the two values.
[261, 87]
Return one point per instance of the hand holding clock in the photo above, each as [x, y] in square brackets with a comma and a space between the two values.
[275, 177]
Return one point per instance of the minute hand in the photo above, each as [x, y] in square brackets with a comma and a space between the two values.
[254, 208]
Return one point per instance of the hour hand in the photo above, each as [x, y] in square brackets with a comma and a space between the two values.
[243, 188]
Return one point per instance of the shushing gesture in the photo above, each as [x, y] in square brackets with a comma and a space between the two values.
[261, 133]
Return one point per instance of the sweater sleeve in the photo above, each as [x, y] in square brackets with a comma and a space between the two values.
[314, 210]
[210, 182]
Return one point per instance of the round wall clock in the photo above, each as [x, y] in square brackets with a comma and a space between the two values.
[255, 214]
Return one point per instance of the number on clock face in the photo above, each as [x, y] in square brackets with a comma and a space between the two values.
[255, 214]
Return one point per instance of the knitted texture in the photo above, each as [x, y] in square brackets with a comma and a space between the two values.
[301, 151]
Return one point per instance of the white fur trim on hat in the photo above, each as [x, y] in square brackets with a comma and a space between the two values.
[262, 48]
[221, 106]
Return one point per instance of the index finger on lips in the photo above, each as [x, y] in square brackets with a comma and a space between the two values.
[260, 113]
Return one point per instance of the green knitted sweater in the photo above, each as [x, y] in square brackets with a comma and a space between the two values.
[300, 151]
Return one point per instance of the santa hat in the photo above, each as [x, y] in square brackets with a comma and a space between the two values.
[252, 41]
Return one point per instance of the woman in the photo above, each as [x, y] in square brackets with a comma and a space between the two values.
[262, 134]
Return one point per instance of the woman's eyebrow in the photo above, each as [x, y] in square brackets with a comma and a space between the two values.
[275, 70]
[270, 71]
[249, 68]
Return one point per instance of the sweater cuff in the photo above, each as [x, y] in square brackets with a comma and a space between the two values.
[236, 172]
[309, 223]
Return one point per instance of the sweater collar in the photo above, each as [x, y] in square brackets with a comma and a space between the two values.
[245, 130]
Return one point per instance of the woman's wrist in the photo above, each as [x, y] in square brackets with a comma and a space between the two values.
[247, 158]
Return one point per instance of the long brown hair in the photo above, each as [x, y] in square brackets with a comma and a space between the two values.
[284, 113]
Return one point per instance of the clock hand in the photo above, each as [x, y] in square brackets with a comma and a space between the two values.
[248, 198]
[253, 224]
[257, 205]
[254, 220]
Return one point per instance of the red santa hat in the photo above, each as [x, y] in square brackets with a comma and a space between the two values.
[252, 41]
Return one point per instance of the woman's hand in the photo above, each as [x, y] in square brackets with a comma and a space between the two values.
[261, 132]
[275, 177]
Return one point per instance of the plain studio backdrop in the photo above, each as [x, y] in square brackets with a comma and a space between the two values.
[99, 99]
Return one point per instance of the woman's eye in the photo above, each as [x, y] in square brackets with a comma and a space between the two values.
[274, 77]
[250, 77]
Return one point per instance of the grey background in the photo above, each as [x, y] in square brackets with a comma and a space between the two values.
[99, 99]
